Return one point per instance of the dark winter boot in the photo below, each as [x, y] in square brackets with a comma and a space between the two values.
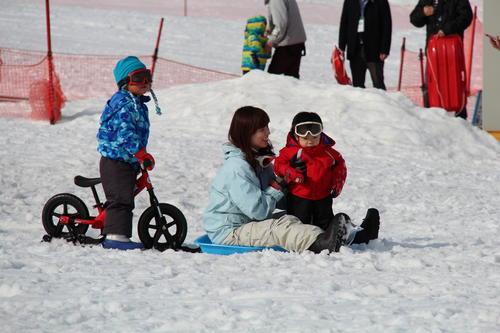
[371, 224]
[331, 239]
[344, 220]
[461, 114]
[360, 237]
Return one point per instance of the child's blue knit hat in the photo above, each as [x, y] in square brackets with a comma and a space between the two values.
[256, 25]
[126, 66]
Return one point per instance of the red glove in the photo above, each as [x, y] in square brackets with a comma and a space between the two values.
[337, 188]
[297, 172]
[145, 159]
[278, 183]
[294, 175]
[339, 176]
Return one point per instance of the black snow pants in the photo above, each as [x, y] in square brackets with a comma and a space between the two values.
[118, 182]
[359, 65]
[286, 60]
[316, 212]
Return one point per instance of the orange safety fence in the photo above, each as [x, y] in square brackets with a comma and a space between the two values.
[411, 79]
[476, 82]
[24, 82]
[24, 88]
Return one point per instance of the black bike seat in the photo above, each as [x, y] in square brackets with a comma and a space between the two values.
[86, 182]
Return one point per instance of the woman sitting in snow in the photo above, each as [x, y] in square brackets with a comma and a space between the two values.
[245, 192]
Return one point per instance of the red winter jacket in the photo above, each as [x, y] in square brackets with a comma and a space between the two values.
[326, 170]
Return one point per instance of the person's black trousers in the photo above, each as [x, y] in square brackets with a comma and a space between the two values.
[118, 182]
[316, 212]
[358, 70]
[286, 60]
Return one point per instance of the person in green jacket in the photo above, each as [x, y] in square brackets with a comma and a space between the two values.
[254, 53]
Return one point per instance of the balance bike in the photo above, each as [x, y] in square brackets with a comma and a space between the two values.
[161, 226]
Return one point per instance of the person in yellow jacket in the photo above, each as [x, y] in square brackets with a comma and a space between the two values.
[254, 53]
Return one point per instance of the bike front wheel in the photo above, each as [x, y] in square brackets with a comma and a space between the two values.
[64, 204]
[168, 233]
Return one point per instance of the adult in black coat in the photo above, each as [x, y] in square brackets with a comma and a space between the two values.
[367, 38]
[442, 17]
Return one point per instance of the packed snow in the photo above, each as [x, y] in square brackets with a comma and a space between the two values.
[434, 178]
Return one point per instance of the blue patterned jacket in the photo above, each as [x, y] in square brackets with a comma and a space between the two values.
[124, 127]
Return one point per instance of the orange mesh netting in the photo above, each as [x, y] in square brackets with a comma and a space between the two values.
[476, 81]
[25, 89]
[411, 82]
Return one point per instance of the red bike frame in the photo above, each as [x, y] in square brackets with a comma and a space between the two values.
[97, 222]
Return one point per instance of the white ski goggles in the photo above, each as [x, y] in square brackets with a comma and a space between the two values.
[265, 161]
[312, 127]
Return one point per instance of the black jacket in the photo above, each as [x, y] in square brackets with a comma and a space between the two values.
[377, 30]
[456, 17]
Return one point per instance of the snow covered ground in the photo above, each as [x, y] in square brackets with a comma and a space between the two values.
[435, 268]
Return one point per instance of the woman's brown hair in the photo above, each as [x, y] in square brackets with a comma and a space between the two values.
[246, 121]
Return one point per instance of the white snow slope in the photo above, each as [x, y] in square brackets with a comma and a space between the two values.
[435, 267]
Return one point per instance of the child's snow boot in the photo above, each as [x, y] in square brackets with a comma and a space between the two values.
[371, 223]
[120, 242]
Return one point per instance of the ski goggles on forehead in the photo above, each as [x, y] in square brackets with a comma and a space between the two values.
[140, 76]
[312, 127]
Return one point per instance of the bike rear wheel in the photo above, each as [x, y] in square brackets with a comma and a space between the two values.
[169, 234]
[64, 204]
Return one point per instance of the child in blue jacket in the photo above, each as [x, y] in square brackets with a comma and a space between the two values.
[254, 53]
[122, 140]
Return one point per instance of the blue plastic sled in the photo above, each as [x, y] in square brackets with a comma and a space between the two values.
[206, 246]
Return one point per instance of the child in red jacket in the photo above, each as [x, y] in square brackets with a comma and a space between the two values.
[315, 173]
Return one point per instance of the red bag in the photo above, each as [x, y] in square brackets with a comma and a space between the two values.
[338, 68]
[446, 73]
